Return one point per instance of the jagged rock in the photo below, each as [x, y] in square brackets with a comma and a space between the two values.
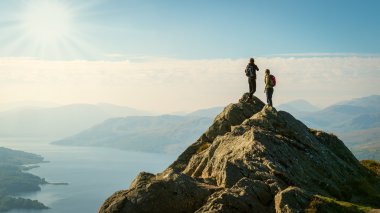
[167, 192]
[251, 159]
[221, 125]
[245, 196]
[292, 200]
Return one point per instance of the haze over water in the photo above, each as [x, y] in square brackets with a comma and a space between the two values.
[93, 174]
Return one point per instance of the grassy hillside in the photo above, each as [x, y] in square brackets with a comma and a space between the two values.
[326, 204]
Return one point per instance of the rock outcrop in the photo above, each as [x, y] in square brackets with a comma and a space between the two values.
[252, 159]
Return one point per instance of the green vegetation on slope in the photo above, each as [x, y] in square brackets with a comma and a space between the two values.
[364, 187]
[329, 205]
[372, 165]
[13, 157]
[14, 181]
[163, 134]
[8, 203]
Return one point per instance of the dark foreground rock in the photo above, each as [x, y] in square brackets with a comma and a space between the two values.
[253, 159]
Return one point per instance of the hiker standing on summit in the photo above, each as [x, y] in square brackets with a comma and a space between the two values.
[270, 82]
[250, 72]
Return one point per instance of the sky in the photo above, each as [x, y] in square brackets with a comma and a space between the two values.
[172, 55]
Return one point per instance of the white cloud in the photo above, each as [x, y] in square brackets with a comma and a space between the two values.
[165, 85]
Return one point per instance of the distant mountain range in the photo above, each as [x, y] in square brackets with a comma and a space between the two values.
[58, 121]
[165, 133]
[208, 113]
[298, 107]
[357, 114]
[356, 122]
[26, 105]
[365, 144]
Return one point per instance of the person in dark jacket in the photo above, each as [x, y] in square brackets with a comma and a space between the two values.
[250, 72]
[268, 87]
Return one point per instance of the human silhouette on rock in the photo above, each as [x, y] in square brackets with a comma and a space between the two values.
[270, 82]
[250, 72]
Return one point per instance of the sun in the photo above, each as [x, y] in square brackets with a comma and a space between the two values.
[50, 29]
[46, 21]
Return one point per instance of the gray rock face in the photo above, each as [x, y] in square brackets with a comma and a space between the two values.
[251, 159]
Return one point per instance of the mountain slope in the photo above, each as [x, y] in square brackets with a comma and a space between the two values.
[14, 181]
[356, 114]
[298, 107]
[58, 121]
[370, 102]
[253, 159]
[355, 121]
[208, 113]
[166, 133]
[365, 144]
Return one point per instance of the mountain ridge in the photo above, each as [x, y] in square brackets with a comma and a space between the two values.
[165, 133]
[335, 118]
[252, 159]
[298, 107]
[65, 120]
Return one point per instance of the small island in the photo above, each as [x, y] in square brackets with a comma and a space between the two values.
[13, 181]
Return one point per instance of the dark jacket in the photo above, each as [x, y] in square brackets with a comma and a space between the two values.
[251, 69]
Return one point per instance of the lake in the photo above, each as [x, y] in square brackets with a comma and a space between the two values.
[93, 174]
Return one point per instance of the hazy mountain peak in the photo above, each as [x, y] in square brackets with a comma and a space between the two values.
[22, 105]
[299, 105]
[253, 158]
[372, 101]
[59, 121]
[208, 112]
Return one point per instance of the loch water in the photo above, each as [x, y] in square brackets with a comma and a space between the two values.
[92, 174]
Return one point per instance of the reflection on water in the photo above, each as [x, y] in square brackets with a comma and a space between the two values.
[93, 174]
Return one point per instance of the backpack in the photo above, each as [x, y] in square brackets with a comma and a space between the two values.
[249, 71]
[272, 80]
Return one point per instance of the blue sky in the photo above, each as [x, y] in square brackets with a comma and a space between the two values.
[208, 29]
[219, 29]
[173, 55]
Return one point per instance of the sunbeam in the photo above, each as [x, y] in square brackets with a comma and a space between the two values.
[48, 29]
[46, 21]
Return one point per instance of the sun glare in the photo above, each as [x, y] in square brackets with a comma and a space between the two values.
[49, 29]
[46, 21]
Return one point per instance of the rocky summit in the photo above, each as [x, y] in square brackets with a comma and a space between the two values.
[254, 158]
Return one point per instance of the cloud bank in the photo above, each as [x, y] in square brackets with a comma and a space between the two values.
[165, 85]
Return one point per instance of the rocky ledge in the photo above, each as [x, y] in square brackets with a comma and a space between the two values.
[255, 159]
